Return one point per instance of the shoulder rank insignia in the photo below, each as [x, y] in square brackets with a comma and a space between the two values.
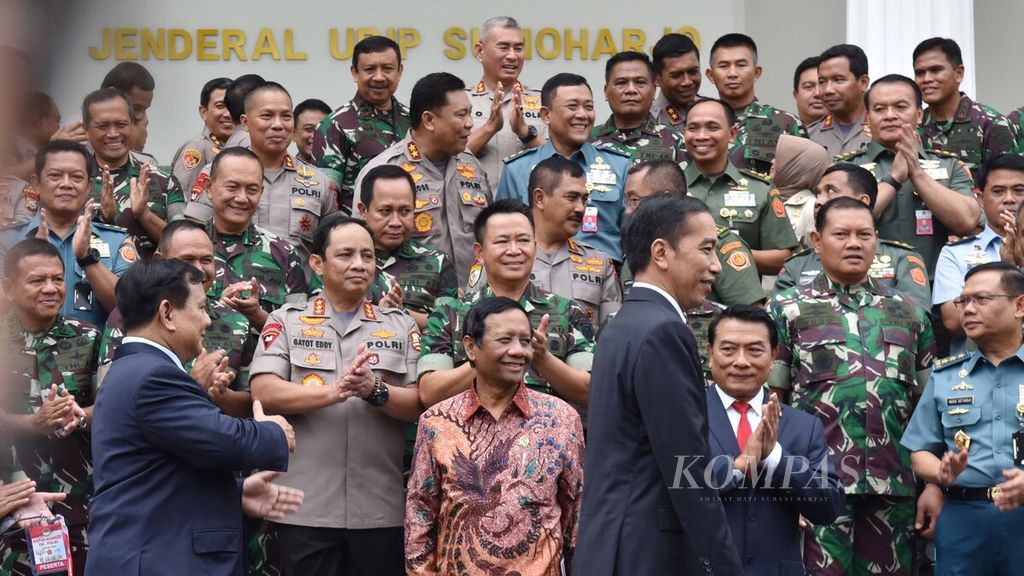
[756, 175]
[950, 360]
[899, 244]
[523, 152]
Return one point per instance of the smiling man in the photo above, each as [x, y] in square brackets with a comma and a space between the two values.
[809, 106]
[199, 150]
[677, 65]
[451, 185]
[842, 82]
[856, 354]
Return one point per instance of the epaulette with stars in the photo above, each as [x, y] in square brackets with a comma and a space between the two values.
[613, 147]
[521, 153]
[756, 175]
[898, 244]
[848, 155]
[111, 227]
[964, 240]
[948, 361]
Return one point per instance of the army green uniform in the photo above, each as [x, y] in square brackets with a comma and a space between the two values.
[166, 200]
[348, 456]
[745, 202]
[351, 136]
[901, 218]
[447, 203]
[260, 254]
[505, 142]
[975, 133]
[229, 331]
[577, 271]
[758, 127]
[66, 355]
[826, 133]
[19, 201]
[196, 152]
[425, 275]
[896, 265]
[855, 357]
[737, 283]
[649, 141]
[570, 334]
[293, 202]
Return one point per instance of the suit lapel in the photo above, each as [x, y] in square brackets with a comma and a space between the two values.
[719, 425]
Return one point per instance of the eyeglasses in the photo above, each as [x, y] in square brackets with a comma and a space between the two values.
[980, 299]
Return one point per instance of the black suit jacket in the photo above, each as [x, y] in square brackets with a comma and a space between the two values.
[647, 433]
[167, 499]
[764, 519]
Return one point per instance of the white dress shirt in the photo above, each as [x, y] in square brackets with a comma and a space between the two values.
[663, 293]
[754, 417]
[165, 350]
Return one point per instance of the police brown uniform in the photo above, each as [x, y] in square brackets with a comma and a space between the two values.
[447, 203]
[193, 155]
[827, 133]
[348, 458]
[293, 202]
[505, 143]
[19, 201]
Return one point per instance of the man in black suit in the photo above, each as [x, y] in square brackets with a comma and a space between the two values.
[647, 509]
[168, 499]
[771, 462]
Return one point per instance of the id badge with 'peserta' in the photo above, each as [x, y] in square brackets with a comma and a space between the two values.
[923, 220]
[590, 219]
[49, 547]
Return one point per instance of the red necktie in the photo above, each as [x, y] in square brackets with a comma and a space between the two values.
[743, 430]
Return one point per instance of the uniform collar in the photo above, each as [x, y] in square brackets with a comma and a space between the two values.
[404, 251]
[130, 168]
[366, 111]
[829, 122]
[587, 150]
[756, 403]
[32, 225]
[250, 237]
[693, 174]
[825, 285]
[755, 108]
[481, 88]
[962, 114]
[531, 294]
[873, 150]
[59, 329]
[988, 236]
[521, 400]
[609, 128]
[977, 356]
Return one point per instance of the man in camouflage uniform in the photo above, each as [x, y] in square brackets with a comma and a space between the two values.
[451, 185]
[373, 120]
[734, 71]
[568, 110]
[1016, 121]
[506, 114]
[738, 282]
[739, 199]
[896, 264]
[256, 271]
[856, 354]
[387, 201]
[142, 210]
[94, 254]
[923, 196]
[229, 331]
[677, 65]
[49, 392]
[199, 150]
[295, 195]
[842, 81]
[954, 122]
[629, 88]
[1001, 191]
[563, 336]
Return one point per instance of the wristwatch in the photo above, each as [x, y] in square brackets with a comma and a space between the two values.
[379, 395]
[531, 133]
[93, 257]
[888, 179]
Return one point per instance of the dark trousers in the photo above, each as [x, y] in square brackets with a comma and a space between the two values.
[306, 551]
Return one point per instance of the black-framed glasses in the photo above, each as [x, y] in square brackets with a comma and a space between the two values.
[979, 299]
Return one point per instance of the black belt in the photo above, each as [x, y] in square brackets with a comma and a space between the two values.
[970, 494]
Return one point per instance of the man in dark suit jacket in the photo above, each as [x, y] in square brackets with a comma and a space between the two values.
[646, 508]
[772, 466]
[168, 500]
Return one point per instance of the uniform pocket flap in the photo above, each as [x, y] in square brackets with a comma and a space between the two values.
[961, 416]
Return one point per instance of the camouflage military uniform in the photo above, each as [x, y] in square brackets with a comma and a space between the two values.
[758, 127]
[19, 201]
[650, 141]
[896, 265]
[229, 331]
[826, 133]
[196, 152]
[64, 355]
[166, 200]
[425, 275]
[293, 202]
[351, 136]
[737, 283]
[447, 203]
[745, 202]
[900, 219]
[855, 357]
[258, 253]
[505, 142]
[975, 133]
[699, 320]
[1016, 121]
[570, 334]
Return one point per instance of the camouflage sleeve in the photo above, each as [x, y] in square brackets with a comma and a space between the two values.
[786, 362]
[199, 207]
[272, 354]
[327, 141]
[775, 231]
[998, 138]
[925, 349]
[611, 294]
[296, 275]
[579, 347]
[437, 348]
[912, 279]
[797, 128]
[447, 283]
[738, 282]
[174, 198]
